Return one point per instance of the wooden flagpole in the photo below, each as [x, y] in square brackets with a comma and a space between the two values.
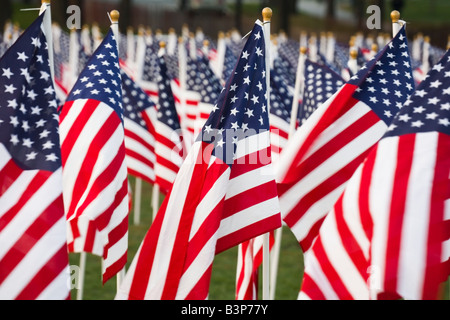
[267, 16]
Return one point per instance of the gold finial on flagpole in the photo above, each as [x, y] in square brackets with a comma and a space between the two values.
[303, 50]
[267, 14]
[115, 16]
[395, 16]
[45, 1]
[162, 44]
[353, 54]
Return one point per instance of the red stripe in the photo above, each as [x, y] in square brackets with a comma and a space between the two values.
[398, 201]
[310, 287]
[201, 288]
[133, 135]
[46, 275]
[139, 157]
[92, 155]
[343, 102]
[332, 276]
[364, 194]
[43, 223]
[34, 185]
[437, 271]
[349, 242]
[313, 161]
[100, 183]
[146, 256]
[75, 130]
[180, 247]
[114, 268]
[8, 175]
[279, 132]
[250, 162]
[167, 163]
[323, 189]
[249, 198]
[260, 227]
[243, 248]
[139, 174]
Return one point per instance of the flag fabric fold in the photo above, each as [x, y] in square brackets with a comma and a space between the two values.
[388, 234]
[224, 193]
[139, 135]
[325, 151]
[93, 157]
[33, 249]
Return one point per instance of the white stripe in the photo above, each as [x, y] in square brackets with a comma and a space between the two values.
[77, 155]
[140, 167]
[253, 143]
[4, 156]
[97, 207]
[248, 216]
[317, 211]
[415, 230]
[58, 289]
[380, 194]
[108, 152]
[330, 166]
[298, 139]
[43, 250]
[197, 269]
[140, 131]
[248, 180]
[214, 196]
[164, 173]
[315, 272]
[169, 227]
[352, 216]
[40, 200]
[10, 197]
[359, 110]
[340, 260]
[169, 154]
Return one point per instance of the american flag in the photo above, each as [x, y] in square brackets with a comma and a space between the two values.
[93, 157]
[320, 84]
[325, 151]
[223, 195]
[169, 148]
[187, 99]
[280, 113]
[250, 258]
[388, 234]
[139, 137]
[209, 87]
[33, 248]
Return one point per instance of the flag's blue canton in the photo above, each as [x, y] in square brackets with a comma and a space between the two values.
[151, 68]
[135, 100]
[206, 82]
[280, 96]
[386, 81]
[28, 108]
[289, 51]
[320, 84]
[241, 109]
[100, 80]
[167, 112]
[229, 63]
[428, 108]
[284, 70]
